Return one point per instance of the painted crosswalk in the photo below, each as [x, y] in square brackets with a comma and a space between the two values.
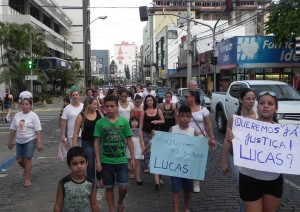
[45, 117]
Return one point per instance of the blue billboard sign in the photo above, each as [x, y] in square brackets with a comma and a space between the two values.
[256, 52]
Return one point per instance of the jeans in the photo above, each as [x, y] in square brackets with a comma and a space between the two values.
[88, 147]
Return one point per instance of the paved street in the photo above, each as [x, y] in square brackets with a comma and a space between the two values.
[218, 192]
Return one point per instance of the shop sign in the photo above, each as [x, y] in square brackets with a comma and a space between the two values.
[256, 51]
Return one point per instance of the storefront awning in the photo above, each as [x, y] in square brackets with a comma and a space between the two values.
[205, 69]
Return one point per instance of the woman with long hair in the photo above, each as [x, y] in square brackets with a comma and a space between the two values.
[261, 190]
[8, 99]
[245, 109]
[125, 106]
[150, 119]
[169, 111]
[200, 122]
[86, 121]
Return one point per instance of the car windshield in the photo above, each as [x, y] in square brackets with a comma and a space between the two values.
[283, 92]
[199, 90]
[162, 90]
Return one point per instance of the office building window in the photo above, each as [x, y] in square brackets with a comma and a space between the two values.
[18, 5]
[46, 20]
[34, 12]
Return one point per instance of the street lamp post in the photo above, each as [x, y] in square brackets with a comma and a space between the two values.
[85, 55]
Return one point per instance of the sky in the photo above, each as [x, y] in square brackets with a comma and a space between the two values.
[121, 24]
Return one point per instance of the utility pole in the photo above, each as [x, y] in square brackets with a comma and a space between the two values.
[136, 68]
[152, 52]
[188, 41]
[31, 82]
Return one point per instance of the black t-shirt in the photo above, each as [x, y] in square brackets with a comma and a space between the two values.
[88, 127]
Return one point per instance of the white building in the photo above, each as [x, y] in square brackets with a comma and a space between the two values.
[61, 21]
[125, 55]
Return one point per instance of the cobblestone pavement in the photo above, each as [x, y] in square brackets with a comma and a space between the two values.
[218, 192]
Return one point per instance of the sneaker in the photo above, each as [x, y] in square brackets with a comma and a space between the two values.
[196, 186]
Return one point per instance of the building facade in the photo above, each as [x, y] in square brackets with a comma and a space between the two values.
[125, 55]
[100, 65]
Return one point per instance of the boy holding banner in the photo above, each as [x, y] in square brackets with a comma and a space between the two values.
[183, 118]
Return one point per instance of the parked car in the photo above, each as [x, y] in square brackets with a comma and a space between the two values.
[224, 104]
[160, 93]
[204, 100]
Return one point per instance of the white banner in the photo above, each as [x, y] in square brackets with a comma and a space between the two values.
[266, 147]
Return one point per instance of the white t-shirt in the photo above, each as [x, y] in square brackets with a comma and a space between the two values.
[125, 112]
[146, 93]
[25, 94]
[26, 126]
[70, 113]
[189, 131]
[174, 99]
[199, 117]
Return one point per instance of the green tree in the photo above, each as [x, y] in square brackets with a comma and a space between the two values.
[16, 50]
[127, 72]
[284, 20]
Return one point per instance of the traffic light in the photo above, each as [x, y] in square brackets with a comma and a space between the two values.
[298, 46]
[143, 13]
[30, 64]
[213, 60]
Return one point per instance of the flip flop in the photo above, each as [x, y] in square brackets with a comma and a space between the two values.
[27, 183]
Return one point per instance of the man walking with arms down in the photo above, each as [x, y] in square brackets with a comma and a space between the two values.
[111, 134]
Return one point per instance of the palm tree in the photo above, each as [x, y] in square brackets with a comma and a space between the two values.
[15, 39]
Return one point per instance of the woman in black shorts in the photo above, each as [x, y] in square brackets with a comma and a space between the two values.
[260, 190]
[8, 99]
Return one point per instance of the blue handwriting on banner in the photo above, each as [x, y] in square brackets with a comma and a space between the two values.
[282, 142]
[178, 155]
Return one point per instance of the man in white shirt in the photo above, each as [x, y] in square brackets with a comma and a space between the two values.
[174, 99]
[148, 90]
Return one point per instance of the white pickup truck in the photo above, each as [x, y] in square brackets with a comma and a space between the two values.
[224, 104]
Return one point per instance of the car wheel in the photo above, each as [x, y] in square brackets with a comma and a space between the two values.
[221, 122]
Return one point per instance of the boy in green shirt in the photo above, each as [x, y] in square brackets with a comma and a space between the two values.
[112, 133]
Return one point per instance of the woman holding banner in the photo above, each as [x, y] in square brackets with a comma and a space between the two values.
[200, 122]
[260, 190]
[245, 109]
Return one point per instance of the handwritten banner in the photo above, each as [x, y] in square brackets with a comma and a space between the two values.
[266, 147]
[178, 155]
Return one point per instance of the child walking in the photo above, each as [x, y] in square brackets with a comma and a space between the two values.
[183, 118]
[76, 192]
[112, 133]
[137, 138]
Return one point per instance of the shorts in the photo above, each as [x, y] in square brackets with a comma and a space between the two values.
[112, 173]
[6, 106]
[177, 183]
[252, 189]
[26, 150]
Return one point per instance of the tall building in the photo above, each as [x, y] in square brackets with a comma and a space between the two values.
[100, 65]
[125, 55]
[244, 14]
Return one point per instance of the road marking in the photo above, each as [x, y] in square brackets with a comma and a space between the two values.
[294, 185]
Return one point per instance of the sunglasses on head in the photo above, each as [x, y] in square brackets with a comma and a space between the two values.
[271, 93]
